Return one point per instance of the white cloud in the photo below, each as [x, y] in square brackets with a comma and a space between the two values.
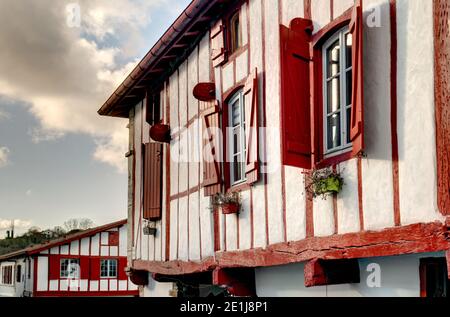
[18, 224]
[4, 156]
[65, 74]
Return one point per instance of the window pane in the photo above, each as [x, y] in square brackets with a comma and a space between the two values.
[333, 59]
[349, 124]
[334, 131]
[237, 176]
[236, 140]
[348, 50]
[348, 85]
[334, 95]
[236, 116]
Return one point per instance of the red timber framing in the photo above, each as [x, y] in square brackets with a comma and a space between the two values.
[48, 280]
[442, 95]
[417, 238]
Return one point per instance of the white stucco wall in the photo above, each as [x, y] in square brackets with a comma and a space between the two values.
[399, 278]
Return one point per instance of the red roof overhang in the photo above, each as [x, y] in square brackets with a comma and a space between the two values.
[165, 56]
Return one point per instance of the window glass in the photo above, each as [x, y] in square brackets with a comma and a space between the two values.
[70, 268]
[237, 138]
[337, 91]
[108, 268]
[235, 34]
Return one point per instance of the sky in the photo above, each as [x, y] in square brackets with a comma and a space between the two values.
[58, 158]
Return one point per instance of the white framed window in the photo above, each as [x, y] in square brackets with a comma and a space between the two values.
[237, 139]
[108, 268]
[70, 268]
[7, 275]
[337, 92]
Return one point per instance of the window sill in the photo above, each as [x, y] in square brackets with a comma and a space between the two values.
[240, 187]
[335, 158]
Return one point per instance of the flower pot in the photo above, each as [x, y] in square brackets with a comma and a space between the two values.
[231, 208]
[160, 133]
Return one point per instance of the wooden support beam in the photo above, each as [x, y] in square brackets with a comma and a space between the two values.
[412, 239]
[239, 282]
[321, 272]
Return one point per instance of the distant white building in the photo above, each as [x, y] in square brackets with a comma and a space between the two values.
[88, 263]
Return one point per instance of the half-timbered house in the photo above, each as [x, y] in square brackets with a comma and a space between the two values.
[88, 263]
[257, 97]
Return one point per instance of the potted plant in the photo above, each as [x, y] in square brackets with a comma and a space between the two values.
[230, 203]
[324, 183]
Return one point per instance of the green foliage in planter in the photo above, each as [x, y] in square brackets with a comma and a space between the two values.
[324, 183]
[224, 199]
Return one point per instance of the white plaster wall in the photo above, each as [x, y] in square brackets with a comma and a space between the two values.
[242, 66]
[42, 276]
[183, 251]
[416, 120]
[231, 236]
[95, 242]
[291, 9]
[295, 204]
[123, 241]
[228, 76]
[85, 246]
[272, 40]
[323, 215]
[138, 119]
[173, 229]
[340, 6]
[156, 289]
[399, 278]
[194, 227]
[245, 223]
[74, 247]
[256, 61]
[347, 203]
[320, 11]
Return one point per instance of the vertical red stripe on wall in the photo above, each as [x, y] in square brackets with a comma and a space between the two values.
[307, 9]
[394, 136]
[331, 10]
[441, 9]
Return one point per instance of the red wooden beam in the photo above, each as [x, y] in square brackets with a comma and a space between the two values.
[320, 272]
[417, 238]
[239, 282]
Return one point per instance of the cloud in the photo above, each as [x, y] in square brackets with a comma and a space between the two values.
[4, 115]
[5, 224]
[64, 73]
[4, 156]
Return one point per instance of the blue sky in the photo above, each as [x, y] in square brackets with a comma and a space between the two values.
[58, 158]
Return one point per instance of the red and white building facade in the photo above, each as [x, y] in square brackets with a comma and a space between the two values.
[259, 93]
[89, 263]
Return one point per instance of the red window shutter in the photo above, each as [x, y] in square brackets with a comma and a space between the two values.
[152, 181]
[95, 268]
[84, 268]
[211, 147]
[218, 53]
[295, 93]
[357, 120]
[113, 238]
[122, 265]
[54, 267]
[252, 127]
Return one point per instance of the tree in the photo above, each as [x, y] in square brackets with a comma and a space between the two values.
[78, 224]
